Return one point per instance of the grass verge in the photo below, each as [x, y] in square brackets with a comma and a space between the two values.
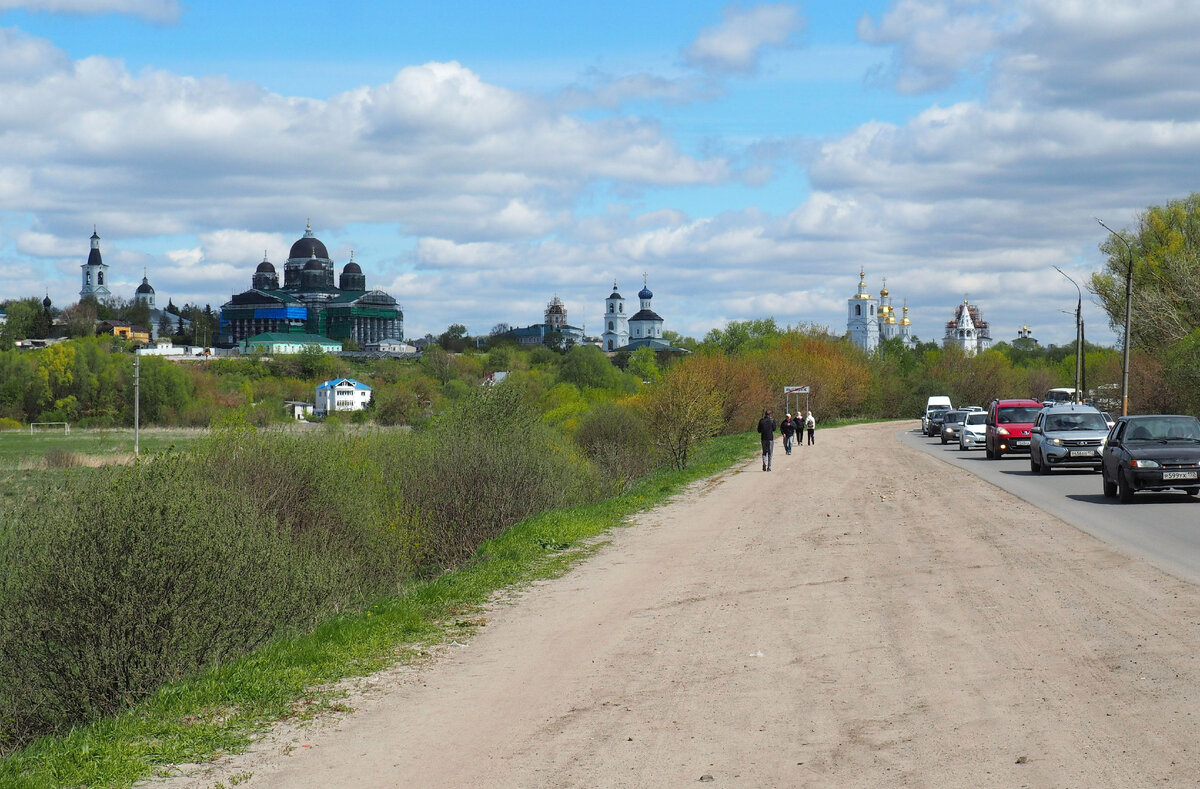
[221, 711]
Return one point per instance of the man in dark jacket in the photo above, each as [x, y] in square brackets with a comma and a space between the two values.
[766, 429]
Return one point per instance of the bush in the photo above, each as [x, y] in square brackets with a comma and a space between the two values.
[476, 470]
[615, 439]
[135, 577]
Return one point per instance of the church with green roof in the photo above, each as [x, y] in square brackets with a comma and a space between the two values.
[308, 301]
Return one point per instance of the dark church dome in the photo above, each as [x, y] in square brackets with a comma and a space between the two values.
[309, 246]
[352, 268]
[145, 286]
[265, 267]
[313, 264]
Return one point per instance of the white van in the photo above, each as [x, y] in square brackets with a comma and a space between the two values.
[934, 405]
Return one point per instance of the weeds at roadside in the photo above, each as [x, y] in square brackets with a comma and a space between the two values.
[223, 708]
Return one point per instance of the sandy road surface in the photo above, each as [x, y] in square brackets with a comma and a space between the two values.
[831, 623]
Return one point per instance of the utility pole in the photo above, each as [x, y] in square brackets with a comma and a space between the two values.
[1080, 378]
[1128, 318]
[137, 399]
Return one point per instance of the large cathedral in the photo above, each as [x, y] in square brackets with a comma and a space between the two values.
[308, 301]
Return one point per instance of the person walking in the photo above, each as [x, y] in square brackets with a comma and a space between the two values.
[766, 431]
[788, 428]
[810, 424]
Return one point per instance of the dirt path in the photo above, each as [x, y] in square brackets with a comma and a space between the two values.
[857, 617]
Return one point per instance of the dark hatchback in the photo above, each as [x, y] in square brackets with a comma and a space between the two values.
[1152, 452]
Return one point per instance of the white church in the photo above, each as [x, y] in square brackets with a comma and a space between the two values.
[624, 332]
[869, 320]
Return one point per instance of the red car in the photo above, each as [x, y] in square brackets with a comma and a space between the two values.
[1008, 424]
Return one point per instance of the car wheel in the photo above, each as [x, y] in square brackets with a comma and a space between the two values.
[943, 441]
[1191, 491]
[1124, 489]
[1034, 466]
[962, 447]
[987, 449]
[1043, 467]
[1110, 488]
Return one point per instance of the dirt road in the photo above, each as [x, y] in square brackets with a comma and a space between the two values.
[863, 615]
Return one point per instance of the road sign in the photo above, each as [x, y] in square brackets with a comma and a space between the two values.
[787, 390]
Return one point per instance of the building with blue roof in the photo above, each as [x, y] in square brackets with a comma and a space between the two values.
[341, 394]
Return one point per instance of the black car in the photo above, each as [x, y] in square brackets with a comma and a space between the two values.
[1152, 452]
[935, 423]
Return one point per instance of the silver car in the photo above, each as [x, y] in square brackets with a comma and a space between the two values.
[1067, 436]
[973, 431]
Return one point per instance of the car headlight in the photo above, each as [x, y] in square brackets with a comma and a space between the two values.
[1135, 463]
[1056, 442]
[1000, 431]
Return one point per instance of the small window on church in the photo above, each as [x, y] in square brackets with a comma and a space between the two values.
[610, 345]
[872, 310]
[621, 308]
[100, 278]
[858, 309]
[610, 325]
[610, 308]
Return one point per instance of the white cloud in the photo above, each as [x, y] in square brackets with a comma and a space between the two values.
[161, 11]
[734, 46]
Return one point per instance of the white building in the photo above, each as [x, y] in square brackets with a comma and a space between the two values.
[616, 321]
[968, 330]
[862, 316]
[95, 272]
[868, 321]
[342, 394]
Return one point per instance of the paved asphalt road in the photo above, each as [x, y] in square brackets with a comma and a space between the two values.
[1163, 528]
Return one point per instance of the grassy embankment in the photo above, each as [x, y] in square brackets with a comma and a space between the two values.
[222, 709]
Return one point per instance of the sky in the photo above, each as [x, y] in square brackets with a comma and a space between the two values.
[478, 158]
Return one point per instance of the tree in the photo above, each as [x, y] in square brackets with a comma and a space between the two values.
[644, 365]
[79, 320]
[454, 339]
[438, 363]
[587, 366]
[1166, 274]
[681, 410]
[499, 328]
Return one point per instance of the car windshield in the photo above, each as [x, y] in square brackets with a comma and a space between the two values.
[953, 416]
[1017, 414]
[976, 418]
[1164, 428]
[1083, 421]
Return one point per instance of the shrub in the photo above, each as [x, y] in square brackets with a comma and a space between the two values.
[61, 458]
[478, 468]
[135, 577]
[615, 439]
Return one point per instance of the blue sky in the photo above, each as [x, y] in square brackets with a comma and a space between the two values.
[480, 158]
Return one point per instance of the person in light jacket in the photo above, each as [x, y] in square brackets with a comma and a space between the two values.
[810, 424]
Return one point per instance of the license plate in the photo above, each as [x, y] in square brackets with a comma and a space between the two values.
[1179, 475]
[1082, 453]
[1020, 443]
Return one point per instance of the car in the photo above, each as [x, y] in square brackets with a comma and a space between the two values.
[951, 422]
[1008, 424]
[1067, 436]
[935, 423]
[973, 431]
[1108, 418]
[933, 404]
[1151, 452]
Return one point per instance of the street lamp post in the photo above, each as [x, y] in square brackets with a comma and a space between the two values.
[1079, 380]
[1128, 317]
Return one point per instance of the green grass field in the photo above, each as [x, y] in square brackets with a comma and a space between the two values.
[19, 449]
